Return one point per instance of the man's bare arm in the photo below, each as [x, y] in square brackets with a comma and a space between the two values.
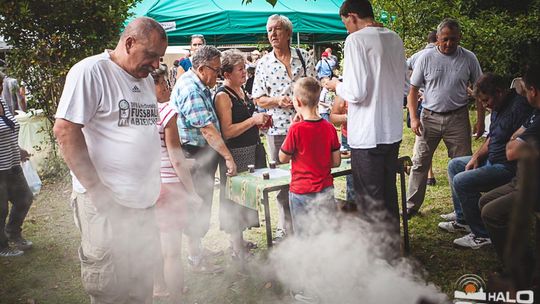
[75, 153]
[215, 141]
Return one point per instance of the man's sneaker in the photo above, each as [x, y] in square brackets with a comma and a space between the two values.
[300, 296]
[449, 216]
[454, 226]
[21, 244]
[472, 241]
[280, 235]
[10, 252]
[203, 266]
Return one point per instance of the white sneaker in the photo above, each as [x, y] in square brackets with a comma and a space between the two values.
[280, 235]
[472, 241]
[300, 296]
[454, 226]
[449, 216]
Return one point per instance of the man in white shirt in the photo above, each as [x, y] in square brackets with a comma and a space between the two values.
[106, 128]
[373, 84]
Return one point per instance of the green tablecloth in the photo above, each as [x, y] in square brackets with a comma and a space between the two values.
[247, 189]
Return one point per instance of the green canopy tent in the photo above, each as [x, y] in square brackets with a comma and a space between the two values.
[231, 22]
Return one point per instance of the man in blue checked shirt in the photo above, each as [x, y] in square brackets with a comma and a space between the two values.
[201, 140]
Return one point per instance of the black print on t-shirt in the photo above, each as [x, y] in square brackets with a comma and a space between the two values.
[123, 119]
[137, 114]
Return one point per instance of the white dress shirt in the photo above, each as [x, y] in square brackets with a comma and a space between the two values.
[374, 82]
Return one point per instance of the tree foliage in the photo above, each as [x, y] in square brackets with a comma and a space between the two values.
[502, 33]
[48, 37]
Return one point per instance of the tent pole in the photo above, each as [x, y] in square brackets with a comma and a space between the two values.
[298, 39]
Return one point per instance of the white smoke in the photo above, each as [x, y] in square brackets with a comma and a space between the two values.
[347, 260]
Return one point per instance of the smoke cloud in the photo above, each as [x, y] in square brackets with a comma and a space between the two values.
[346, 259]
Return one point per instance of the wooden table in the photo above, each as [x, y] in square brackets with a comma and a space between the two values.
[250, 190]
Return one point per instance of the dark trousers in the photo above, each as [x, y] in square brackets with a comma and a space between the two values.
[374, 174]
[496, 209]
[206, 162]
[13, 188]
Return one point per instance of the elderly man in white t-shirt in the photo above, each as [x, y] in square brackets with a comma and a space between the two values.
[106, 127]
[374, 81]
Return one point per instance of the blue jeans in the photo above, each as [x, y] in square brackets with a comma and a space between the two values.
[325, 116]
[467, 186]
[304, 208]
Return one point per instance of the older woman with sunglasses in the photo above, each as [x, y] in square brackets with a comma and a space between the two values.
[13, 185]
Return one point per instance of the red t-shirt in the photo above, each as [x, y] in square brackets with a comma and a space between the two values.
[311, 143]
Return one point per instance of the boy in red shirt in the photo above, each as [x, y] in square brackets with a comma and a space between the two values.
[313, 146]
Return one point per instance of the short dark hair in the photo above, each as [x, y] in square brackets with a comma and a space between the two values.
[362, 8]
[489, 84]
[432, 36]
[531, 77]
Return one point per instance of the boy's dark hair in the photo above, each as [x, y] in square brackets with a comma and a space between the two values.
[362, 8]
[308, 90]
[531, 77]
[489, 84]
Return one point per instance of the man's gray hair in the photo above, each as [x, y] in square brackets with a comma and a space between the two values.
[204, 54]
[448, 23]
[142, 27]
[231, 58]
[283, 20]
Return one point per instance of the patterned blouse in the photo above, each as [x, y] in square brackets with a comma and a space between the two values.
[272, 80]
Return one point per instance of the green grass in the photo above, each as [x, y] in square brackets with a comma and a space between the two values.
[50, 272]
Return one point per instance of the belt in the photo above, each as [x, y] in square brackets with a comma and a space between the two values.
[445, 113]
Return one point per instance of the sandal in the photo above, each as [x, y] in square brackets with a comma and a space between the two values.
[250, 245]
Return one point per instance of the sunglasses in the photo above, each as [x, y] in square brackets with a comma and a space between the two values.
[217, 71]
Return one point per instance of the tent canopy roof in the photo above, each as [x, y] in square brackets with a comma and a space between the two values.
[231, 22]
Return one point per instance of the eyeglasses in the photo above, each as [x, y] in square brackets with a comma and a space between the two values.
[197, 36]
[217, 71]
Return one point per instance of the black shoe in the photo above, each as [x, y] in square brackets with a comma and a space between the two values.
[411, 213]
[431, 181]
[20, 243]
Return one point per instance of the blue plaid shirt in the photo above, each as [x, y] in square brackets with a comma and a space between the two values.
[193, 102]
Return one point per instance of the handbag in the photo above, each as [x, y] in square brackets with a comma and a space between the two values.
[260, 156]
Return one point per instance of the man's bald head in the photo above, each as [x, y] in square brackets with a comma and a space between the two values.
[143, 27]
[141, 46]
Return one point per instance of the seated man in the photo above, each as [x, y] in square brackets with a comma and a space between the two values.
[488, 168]
[496, 205]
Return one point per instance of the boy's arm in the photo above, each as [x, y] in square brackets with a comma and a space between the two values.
[284, 158]
[288, 147]
[336, 158]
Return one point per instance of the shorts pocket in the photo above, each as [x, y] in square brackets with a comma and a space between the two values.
[98, 273]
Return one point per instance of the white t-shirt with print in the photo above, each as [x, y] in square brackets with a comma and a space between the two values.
[119, 113]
